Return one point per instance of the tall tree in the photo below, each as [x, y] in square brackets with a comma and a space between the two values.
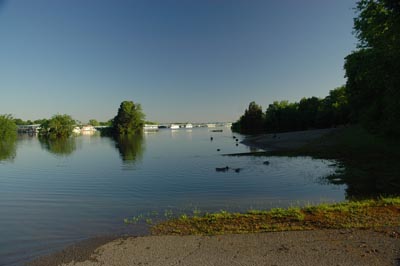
[8, 136]
[94, 122]
[8, 128]
[252, 121]
[129, 120]
[373, 83]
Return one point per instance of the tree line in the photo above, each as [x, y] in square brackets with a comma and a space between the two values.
[371, 95]
[308, 113]
[128, 121]
[373, 71]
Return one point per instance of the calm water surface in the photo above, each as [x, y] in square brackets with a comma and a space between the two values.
[53, 194]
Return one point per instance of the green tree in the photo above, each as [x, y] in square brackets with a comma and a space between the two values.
[252, 121]
[20, 122]
[94, 122]
[129, 120]
[108, 123]
[373, 77]
[308, 110]
[8, 128]
[8, 136]
[59, 126]
[40, 121]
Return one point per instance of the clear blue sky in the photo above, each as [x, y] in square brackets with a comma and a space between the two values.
[182, 60]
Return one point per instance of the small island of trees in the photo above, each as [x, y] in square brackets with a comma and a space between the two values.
[129, 119]
[59, 126]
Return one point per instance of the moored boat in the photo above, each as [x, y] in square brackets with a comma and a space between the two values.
[150, 127]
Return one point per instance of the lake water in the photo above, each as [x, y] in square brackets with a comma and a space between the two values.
[56, 193]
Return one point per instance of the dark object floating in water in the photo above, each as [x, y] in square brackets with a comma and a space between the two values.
[218, 149]
[266, 162]
[211, 138]
[237, 170]
[217, 130]
[237, 144]
[222, 169]
[234, 137]
[237, 139]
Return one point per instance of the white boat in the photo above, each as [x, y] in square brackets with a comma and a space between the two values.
[76, 130]
[211, 125]
[174, 126]
[150, 127]
[88, 128]
[189, 126]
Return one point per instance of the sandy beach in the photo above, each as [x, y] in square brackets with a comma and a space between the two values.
[322, 247]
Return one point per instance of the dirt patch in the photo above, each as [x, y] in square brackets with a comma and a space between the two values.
[81, 251]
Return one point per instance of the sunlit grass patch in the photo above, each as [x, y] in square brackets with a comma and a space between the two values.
[352, 214]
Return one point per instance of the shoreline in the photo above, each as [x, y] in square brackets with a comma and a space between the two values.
[79, 251]
[317, 247]
[353, 233]
[287, 140]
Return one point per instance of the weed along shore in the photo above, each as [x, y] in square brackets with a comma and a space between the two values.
[366, 214]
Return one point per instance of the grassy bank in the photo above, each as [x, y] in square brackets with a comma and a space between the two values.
[378, 213]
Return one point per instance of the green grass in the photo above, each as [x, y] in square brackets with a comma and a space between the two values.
[352, 214]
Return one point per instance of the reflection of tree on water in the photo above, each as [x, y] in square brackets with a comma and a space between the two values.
[59, 146]
[8, 149]
[130, 147]
[365, 183]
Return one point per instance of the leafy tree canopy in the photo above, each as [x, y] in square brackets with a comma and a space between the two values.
[94, 122]
[129, 120]
[252, 121]
[8, 128]
[285, 116]
[373, 77]
[59, 126]
[8, 136]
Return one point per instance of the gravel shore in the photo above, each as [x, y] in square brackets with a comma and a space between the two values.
[350, 247]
